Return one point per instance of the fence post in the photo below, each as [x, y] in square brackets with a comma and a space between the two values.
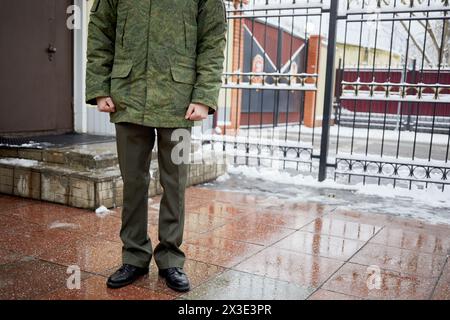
[329, 89]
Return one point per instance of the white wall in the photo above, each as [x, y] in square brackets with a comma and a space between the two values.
[87, 118]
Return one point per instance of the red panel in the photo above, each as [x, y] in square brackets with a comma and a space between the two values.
[425, 109]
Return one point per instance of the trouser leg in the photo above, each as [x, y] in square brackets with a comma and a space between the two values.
[173, 177]
[134, 147]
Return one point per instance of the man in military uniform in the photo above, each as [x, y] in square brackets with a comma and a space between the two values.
[155, 66]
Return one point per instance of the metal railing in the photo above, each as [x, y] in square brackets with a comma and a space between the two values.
[355, 90]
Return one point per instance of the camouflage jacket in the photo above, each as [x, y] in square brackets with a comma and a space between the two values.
[155, 57]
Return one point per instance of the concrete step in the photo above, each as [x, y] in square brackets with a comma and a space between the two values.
[86, 156]
[84, 176]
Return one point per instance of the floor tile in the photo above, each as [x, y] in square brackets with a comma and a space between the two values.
[226, 197]
[94, 288]
[286, 220]
[396, 259]
[310, 209]
[235, 285]
[46, 214]
[322, 294]
[218, 251]
[7, 256]
[106, 228]
[342, 228]
[195, 222]
[414, 239]
[320, 245]
[219, 209]
[302, 269]
[32, 240]
[442, 290]
[28, 278]
[262, 234]
[353, 279]
[10, 202]
[90, 254]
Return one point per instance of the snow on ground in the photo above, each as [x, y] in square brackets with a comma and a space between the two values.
[430, 205]
[19, 162]
[30, 144]
[102, 211]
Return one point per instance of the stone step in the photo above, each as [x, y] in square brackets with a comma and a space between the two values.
[80, 157]
[82, 178]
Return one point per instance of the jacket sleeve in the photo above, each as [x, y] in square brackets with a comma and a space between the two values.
[100, 49]
[211, 41]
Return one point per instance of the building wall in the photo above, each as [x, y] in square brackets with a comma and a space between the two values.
[366, 56]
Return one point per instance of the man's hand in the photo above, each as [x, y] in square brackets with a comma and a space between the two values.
[105, 104]
[196, 112]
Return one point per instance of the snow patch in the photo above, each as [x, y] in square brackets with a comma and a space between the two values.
[432, 196]
[102, 211]
[19, 162]
[223, 178]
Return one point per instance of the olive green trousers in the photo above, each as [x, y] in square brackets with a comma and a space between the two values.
[134, 148]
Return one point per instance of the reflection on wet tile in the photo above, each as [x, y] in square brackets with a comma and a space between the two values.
[414, 239]
[46, 214]
[302, 269]
[197, 272]
[286, 220]
[342, 228]
[387, 220]
[235, 285]
[195, 222]
[309, 209]
[322, 294]
[262, 234]
[31, 239]
[28, 278]
[227, 197]
[10, 223]
[9, 202]
[321, 245]
[94, 288]
[355, 280]
[405, 261]
[219, 209]
[107, 227]
[218, 251]
[7, 256]
[92, 255]
[442, 290]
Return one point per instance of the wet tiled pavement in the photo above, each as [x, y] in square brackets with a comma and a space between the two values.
[238, 245]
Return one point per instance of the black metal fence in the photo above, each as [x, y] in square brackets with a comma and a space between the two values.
[357, 91]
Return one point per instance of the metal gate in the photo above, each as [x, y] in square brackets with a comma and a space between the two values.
[353, 90]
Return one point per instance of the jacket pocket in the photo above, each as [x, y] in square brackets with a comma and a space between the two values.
[183, 74]
[190, 37]
[120, 84]
[121, 70]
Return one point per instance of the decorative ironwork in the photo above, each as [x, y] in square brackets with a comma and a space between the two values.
[270, 81]
[394, 169]
[260, 148]
[396, 92]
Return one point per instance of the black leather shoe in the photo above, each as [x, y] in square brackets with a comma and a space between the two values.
[176, 279]
[125, 275]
